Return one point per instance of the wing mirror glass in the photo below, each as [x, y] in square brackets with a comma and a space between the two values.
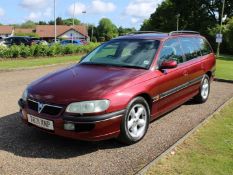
[168, 64]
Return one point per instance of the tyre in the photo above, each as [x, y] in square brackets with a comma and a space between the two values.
[135, 123]
[204, 91]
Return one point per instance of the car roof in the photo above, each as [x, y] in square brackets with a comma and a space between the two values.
[159, 35]
[144, 36]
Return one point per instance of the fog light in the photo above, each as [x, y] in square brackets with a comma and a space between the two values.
[69, 126]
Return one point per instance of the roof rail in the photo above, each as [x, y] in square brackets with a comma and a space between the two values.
[142, 32]
[183, 32]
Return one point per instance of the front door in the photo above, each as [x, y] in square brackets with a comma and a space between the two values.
[171, 83]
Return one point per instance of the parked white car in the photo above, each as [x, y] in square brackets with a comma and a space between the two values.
[2, 43]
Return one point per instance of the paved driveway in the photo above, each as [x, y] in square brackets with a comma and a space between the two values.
[25, 150]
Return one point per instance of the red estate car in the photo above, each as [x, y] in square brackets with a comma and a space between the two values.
[122, 85]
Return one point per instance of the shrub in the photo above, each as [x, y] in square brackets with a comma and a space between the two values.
[15, 51]
[41, 50]
[94, 39]
[69, 49]
[44, 50]
[55, 49]
[5, 52]
[26, 51]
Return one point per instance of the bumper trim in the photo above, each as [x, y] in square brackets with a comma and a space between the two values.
[91, 119]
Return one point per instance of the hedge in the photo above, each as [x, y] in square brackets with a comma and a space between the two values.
[39, 50]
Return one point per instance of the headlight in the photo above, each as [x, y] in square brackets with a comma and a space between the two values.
[25, 95]
[88, 106]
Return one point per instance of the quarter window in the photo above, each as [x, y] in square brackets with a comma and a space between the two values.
[171, 51]
[204, 45]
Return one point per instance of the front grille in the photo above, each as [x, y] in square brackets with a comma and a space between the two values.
[51, 110]
[45, 108]
[32, 105]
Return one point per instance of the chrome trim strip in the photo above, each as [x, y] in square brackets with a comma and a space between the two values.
[45, 104]
[177, 89]
[105, 119]
[94, 119]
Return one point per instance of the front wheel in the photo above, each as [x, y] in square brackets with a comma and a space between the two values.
[135, 123]
[204, 91]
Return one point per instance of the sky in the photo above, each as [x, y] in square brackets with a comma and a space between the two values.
[125, 13]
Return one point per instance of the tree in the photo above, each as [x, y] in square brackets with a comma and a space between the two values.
[106, 29]
[214, 7]
[28, 24]
[69, 21]
[59, 21]
[51, 22]
[92, 32]
[41, 23]
[124, 31]
[196, 15]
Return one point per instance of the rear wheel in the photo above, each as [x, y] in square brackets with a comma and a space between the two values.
[135, 123]
[204, 91]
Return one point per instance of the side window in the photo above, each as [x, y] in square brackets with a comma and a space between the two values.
[15, 41]
[8, 40]
[21, 40]
[197, 46]
[190, 48]
[171, 50]
[204, 46]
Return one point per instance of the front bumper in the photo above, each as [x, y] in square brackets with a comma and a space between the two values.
[91, 128]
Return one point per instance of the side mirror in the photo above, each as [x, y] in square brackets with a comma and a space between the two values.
[168, 64]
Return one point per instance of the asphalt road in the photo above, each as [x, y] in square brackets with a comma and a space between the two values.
[25, 150]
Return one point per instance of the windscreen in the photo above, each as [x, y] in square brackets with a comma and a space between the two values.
[125, 53]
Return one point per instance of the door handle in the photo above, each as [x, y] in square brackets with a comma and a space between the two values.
[185, 73]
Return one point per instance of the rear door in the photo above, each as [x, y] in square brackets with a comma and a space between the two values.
[193, 61]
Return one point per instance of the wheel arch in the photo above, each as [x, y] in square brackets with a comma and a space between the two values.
[209, 73]
[147, 97]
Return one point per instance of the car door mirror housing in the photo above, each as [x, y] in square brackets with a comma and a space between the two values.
[168, 64]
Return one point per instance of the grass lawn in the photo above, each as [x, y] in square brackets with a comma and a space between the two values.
[28, 63]
[208, 152]
[224, 68]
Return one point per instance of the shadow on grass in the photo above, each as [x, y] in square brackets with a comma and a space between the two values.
[225, 58]
[24, 141]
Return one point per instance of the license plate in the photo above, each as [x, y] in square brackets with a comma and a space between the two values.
[42, 123]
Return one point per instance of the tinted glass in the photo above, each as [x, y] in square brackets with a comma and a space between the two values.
[21, 40]
[197, 46]
[171, 50]
[204, 46]
[8, 40]
[190, 48]
[128, 53]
